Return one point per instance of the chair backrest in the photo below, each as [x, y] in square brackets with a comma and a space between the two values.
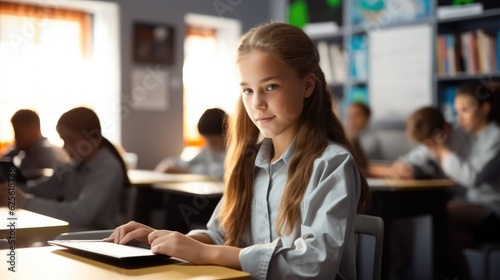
[370, 233]
[82, 235]
[4, 244]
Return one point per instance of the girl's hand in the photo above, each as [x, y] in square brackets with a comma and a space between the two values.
[437, 145]
[130, 231]
[401, 170]
[178, 245]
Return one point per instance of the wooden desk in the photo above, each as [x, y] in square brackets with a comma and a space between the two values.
[55, 263]
[186, 199]
[141, 177]
[30, 224]
[399, 199]
[195, 188]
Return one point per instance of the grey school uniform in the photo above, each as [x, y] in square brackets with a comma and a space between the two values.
[42, 154]
[474, 163]
[371, 144]
[86, 196]
[480, 171]
[323, 242]
[206, 162]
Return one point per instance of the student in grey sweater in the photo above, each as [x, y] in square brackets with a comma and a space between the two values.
[470, 156]
[86, 192]
[32, 152]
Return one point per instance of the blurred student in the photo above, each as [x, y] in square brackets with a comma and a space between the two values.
[32, 152]
[210, 160]
[360, 132]
[290, 200]
[425, 127]
[471, 159]
[86, 192]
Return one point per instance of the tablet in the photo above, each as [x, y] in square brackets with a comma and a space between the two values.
[103, 248]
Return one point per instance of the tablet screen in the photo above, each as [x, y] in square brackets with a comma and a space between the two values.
[109, 249]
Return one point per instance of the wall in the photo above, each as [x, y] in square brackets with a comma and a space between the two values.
[154, 135]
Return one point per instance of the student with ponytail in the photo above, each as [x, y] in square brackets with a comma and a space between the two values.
[475, 218]
[86, 192]
[290, 200]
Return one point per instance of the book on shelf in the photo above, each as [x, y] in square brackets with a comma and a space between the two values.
[441, 54]
[325, 61]
[498, 50]
[339, 63]
[470, 52]
[487, 53]
[332, 62]
[452, 11]
[359, 56]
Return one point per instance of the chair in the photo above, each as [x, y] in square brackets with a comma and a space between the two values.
[4, 244]
[82, 235]
[370, 234]
[483, 262]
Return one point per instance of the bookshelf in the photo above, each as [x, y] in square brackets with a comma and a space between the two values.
[461, 48]
[472, 47]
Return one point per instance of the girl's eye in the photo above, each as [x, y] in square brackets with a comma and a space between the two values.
[247, 91]
[272, 87]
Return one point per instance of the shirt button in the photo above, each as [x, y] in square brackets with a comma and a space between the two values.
[265, 215]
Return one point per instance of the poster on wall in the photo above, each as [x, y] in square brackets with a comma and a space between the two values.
[395, 89]
[153, 43]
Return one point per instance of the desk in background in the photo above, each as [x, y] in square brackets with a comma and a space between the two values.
[400, 199]
[142, 177]
[30, 225]
[184, 198]
[60, 264]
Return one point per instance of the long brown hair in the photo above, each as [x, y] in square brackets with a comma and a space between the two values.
[317, 127]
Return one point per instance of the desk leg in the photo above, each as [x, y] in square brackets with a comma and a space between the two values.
[409, 204]
[439, 247]
[383, 206]
[146, 200]
[186, 212]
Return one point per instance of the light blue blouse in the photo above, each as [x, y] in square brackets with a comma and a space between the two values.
[322, 243]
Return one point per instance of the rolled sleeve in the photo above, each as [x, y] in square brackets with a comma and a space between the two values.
[255, 259]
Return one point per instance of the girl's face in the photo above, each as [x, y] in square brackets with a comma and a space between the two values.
[356, 119]
[273, 94]
[78, 147]
[471, 117]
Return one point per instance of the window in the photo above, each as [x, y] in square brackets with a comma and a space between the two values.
[209, 70]
[53, 59]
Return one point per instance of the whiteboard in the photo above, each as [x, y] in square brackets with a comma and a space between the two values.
[400, 67]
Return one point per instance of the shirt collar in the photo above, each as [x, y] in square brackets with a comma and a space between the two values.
[263, 157]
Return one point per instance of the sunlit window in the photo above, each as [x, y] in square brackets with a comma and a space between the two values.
[209, 71]
[48, 63]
